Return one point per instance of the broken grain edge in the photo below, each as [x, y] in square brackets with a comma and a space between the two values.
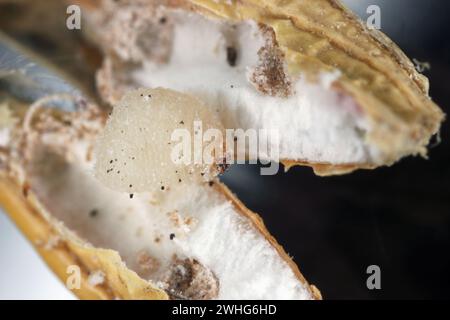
[258, 223]
[27, 215]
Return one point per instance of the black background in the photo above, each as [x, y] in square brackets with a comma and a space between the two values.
[396, 217]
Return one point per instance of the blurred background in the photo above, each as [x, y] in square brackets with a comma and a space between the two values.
[397, 218]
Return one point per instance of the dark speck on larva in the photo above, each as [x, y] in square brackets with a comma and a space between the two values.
[93, 213]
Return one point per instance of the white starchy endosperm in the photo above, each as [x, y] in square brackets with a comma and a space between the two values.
[315, 123]
[221, 237]
[135, 152]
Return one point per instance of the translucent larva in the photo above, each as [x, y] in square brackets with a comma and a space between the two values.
[150, 142]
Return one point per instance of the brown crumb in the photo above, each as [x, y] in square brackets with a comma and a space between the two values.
[190, 221]
[269, 76]
[188, 279]
[174, 218]
[25, 189]
[146, 262]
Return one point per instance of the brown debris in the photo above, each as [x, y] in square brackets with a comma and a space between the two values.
[269, 76]
[147, 263]
[188, 279]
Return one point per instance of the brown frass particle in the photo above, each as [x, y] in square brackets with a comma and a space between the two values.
[232, 56]
[269, 76]
[172, 236]
[25, 188]
[93, 213]
[188, 279]
[147, 262]
[131, 196]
